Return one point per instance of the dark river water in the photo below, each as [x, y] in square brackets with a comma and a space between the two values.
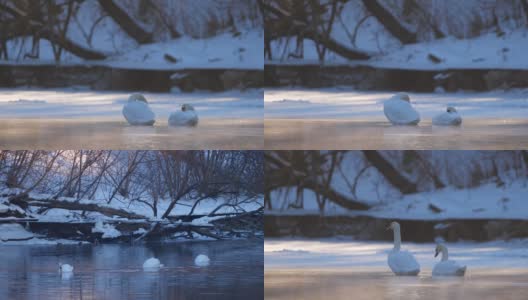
[115, 271]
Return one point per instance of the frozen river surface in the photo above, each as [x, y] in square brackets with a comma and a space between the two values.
[347, 119]
[81, 119]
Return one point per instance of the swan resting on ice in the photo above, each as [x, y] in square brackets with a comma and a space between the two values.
[399, 111]
[137, 111]
[152, 264]
[401, 262]
[447, 267]
[201, 260]
[184, 117]
[448, 118]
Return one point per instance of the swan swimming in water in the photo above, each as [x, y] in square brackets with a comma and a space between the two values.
[448, 118]
[201, 260]
[65, 268]
[447, 267]
[184, 117]
[152, 264]
[137, 111]
[401, 262]
[399, 111]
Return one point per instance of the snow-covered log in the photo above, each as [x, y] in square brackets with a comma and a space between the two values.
[25, 201]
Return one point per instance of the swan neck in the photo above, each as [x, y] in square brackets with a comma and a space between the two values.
[397, 239]
[444, 254]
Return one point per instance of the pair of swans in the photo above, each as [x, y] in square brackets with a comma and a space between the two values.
[402, 262]
[399, 111]
[137, 112]
[154, 264]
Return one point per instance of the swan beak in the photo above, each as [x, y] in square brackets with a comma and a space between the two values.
[436, 253]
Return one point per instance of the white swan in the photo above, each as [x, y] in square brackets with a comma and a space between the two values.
[401, 262]
[399, 111]
[152, 264]
[447, 267]
[448, 118]
[201, 260]
[137, 111]
[65, 268]
[184, 117]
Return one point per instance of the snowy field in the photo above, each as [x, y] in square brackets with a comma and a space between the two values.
[224, 51]
[484, 52]
[76, 118]
[342, 118]
[337, 268]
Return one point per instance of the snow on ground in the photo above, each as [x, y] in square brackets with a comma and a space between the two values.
[109, 231]
[70, 103]
[484, 52]
[222, 51]
[205, 221]
[487, 201]
[14, 232]
[346, 253]
[183, 207]
[343, 102]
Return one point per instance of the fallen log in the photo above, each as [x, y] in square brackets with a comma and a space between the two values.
[24, 200]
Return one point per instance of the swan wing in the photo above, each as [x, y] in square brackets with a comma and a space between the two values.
[449, 268]
[138, 113]
[447, 119]
[181, 118]
[403, 263]
[400, 112]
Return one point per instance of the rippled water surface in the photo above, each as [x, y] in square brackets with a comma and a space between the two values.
[115, 271]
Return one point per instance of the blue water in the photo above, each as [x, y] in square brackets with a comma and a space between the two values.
[115, 271]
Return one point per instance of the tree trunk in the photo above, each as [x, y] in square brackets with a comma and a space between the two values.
[17, 29]
[334, 196]
[392, 175]
[335, 46]
[126, 23]
[524, 4]
[390, 22]
[286, 25]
